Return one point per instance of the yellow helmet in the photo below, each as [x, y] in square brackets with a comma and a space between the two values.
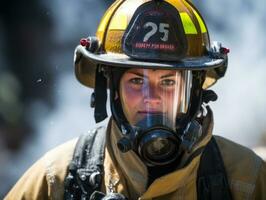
[151, 33]
[155, 34]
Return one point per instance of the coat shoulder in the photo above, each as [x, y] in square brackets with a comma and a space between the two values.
[44, 179]
[236, 153]
[242, 165]
[62, 153]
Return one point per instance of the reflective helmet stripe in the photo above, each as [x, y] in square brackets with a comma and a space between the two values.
[201, 23]
[188, 25]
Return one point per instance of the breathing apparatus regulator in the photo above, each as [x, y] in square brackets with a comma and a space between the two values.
[157, 61]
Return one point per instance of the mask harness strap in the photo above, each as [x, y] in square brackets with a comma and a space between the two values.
[191, 129]
[116, 106]
[212, 181]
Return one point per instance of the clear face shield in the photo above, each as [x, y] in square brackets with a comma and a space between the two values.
[152, 100]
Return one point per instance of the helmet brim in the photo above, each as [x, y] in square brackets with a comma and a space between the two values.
[122, 60]
[86, 62]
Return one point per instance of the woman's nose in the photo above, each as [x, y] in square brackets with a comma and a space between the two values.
[152, 95]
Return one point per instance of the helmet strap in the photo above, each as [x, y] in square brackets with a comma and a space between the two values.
[115, 103]
[100, 94]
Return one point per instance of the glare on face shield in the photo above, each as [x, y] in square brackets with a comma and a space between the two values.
[146, 93]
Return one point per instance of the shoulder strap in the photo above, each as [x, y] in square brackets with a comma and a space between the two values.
[212, 183]
[85, 171]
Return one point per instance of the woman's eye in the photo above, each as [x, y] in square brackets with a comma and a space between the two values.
[168, 82]
[136, 81]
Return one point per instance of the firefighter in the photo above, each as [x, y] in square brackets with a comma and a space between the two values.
[156, 59]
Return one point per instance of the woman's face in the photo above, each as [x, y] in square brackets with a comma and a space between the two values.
[147, 92]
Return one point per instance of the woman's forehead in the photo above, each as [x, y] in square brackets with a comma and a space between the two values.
[158, 72]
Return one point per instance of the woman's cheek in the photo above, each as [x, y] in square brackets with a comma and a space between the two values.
[132, 98]
[132, 104]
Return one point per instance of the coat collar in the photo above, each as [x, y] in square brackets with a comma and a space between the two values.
[133, 173]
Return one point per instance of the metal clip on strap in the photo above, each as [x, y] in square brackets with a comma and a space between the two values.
[86, 168]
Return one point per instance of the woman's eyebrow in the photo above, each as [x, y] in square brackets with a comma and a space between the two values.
[138, 74]
[168, 75]
[145, 76]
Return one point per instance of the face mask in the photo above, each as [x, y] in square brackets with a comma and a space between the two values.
[152, 101]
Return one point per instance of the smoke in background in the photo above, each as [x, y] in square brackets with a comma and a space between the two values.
[239, 111]
[37, 85]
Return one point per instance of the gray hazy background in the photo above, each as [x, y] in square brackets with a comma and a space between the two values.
[42, 105]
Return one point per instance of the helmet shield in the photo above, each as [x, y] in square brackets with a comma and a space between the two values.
[154, 98]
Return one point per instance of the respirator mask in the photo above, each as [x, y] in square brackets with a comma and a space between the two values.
[152, 102]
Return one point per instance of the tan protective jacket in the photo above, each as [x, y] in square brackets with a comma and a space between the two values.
[126, 174]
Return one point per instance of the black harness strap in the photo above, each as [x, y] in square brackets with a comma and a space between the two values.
[212, 183]
[85, 171]
[86, 168]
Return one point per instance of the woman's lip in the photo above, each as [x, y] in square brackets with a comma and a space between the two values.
[150, 112]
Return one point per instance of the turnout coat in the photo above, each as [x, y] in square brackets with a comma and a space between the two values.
[125, 173]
